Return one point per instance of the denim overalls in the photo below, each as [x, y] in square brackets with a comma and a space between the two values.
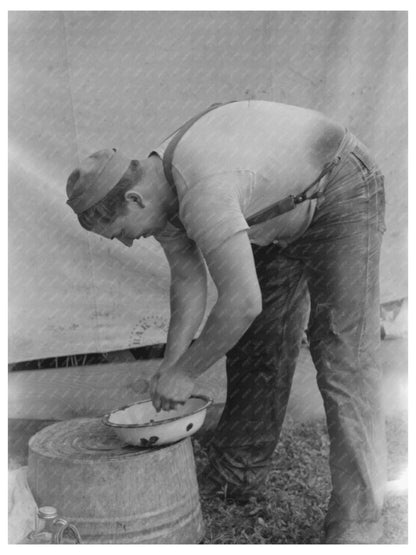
[333, 270]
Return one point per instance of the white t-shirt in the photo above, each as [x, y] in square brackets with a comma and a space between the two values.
[239, 159]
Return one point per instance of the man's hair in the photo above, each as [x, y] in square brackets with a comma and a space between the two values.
[113, 204]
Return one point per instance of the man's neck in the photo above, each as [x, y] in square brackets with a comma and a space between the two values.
[160, 188]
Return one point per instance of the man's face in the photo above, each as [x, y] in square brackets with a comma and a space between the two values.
[133, 223]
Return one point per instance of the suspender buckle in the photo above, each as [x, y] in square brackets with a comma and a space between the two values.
[302, 197]
[299, 198]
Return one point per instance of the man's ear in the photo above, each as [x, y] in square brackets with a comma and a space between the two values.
[134, 196]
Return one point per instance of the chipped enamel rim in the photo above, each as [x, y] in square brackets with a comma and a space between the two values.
[106, 421]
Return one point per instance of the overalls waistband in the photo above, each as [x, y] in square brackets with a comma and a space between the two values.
[350, 144]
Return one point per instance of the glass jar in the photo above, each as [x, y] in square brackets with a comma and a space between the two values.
[52, 529]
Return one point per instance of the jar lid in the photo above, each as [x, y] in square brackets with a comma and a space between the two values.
[47, 512]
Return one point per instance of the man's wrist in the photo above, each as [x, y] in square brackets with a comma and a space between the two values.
[170, 367]
[177, 368]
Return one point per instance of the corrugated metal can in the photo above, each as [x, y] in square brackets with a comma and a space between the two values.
[113, 492]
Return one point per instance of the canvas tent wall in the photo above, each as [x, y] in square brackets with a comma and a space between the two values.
[81, 81]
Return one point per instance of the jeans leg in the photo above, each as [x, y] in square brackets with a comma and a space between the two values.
[259, 373]
[343, 249]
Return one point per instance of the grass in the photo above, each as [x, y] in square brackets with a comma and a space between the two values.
[298, 492]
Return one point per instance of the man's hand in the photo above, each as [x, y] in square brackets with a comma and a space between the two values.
[169, 388]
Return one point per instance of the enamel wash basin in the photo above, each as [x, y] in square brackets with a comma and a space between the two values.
[139, 424]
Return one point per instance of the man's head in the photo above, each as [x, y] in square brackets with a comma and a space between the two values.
[114, 197]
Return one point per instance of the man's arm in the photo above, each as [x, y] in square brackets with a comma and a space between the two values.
[188, 295]
[239, 301]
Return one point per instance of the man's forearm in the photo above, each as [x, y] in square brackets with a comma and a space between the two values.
[224, 327]
[232, 269]
[187, 305]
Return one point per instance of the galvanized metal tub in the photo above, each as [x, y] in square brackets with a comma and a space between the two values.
[112, 492]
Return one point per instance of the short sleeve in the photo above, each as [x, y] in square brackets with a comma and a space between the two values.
[211, 210]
